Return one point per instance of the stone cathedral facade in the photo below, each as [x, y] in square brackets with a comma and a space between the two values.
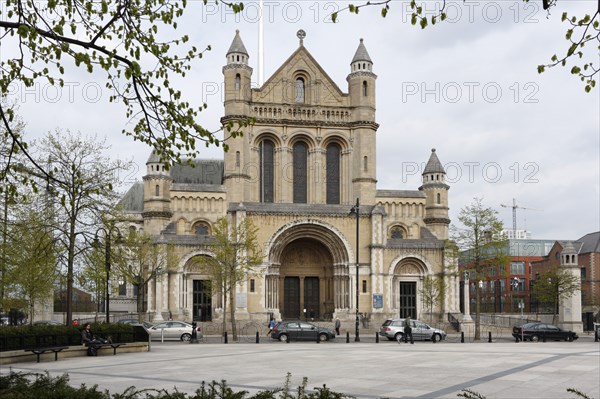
[298, 173]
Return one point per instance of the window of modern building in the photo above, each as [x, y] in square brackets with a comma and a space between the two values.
[300, 153]
[517, 267]
[266, 179]
[300, 90]
[333, 174]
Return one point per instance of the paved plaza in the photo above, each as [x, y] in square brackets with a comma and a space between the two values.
[364, 369]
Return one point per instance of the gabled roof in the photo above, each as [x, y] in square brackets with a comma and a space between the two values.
[302, 50]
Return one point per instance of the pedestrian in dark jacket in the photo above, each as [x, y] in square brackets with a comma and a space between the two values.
[408, 330]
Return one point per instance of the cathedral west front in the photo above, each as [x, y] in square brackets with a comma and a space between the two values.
[305, 173]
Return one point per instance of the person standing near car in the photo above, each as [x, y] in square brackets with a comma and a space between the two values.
[271, 326]
[337, 325]
[408, 330]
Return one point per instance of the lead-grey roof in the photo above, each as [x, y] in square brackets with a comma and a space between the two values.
[153, 158]
[300, 209]
[434, 165]
[400, 194]
[133, 200]
[237, 46]
[590, 243]
[203, 172]
[361, 53]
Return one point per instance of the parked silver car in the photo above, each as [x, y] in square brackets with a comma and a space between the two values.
[173, 330]
[394, 330]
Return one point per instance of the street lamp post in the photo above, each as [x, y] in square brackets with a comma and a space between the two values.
[355, 210]
[107, 238]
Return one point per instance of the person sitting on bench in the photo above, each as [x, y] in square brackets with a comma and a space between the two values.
[90, 340]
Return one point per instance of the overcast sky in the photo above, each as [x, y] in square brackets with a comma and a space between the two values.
[468, 87]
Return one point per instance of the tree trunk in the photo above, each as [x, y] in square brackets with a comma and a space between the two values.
[232, 313]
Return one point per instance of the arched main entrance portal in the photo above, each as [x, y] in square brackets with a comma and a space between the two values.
[306, 280]
[308, 270]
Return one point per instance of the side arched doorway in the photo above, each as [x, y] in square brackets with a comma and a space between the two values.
[306, 280]
[406, 283]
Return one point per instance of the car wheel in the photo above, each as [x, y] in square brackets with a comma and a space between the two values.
[438, 337]
[323, 337]
[283, 337]
[399, 337]
[569, 339]
[534, 338]
[186, 337]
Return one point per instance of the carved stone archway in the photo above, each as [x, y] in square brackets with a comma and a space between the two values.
[308, 269]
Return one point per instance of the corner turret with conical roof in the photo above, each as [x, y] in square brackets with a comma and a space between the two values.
[361, 93]
[157, 195]
[237, 78]
[361, 85]
[436, 191]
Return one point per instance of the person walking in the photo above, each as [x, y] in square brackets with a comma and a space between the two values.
[337, 325]
[408, 330]
[271, 326]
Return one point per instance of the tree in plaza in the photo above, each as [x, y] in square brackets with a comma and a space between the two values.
[82, 192]
[432, 293]
[581, 30]
[555, 284]
[132, 43]
[140, 259]
[481, 246]
[235, 255]
[32, 254]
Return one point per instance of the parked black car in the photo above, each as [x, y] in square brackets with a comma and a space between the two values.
[296, 330]
[537, 331]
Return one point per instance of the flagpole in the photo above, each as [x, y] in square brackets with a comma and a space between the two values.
[261, 40]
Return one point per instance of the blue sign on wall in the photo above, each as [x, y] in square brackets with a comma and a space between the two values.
[377, 301]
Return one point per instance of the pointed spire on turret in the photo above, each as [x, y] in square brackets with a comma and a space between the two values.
[361, 53]
[434, 165]
[237, 53]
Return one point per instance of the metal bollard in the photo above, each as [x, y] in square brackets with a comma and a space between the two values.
[376, 338]
[462, 337]
[489, 336]
[434, 338]
[225, 337]
[596, 334]
[318, 339]
[257, 338]
[544, 336]
[347, 337]
[288, 340]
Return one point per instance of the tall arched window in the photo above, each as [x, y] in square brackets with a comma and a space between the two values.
[266, 158]
[365, 164]
[238, 81]
[364, 88]
[333, 174]
[300, 173]
[157, 190]
[300, 89]
[439, 198]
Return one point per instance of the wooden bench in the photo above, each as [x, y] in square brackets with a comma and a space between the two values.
[113, 345]
[39, 351]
